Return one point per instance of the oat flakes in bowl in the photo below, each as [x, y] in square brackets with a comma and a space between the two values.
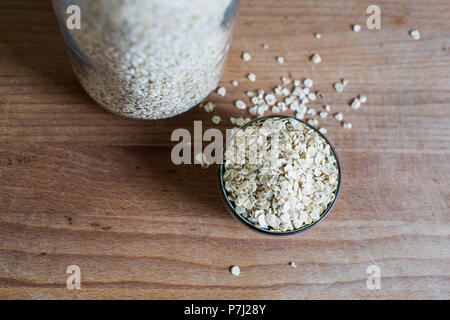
[279, 175]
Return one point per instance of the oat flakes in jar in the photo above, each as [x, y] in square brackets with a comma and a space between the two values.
[147, 59]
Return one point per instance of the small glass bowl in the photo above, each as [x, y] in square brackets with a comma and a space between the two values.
[251, 225]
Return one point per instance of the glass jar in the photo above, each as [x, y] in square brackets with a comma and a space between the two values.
[148, 59]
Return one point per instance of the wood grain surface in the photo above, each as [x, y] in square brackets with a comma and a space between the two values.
[80, 186]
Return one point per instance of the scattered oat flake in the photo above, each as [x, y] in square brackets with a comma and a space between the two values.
[222, 91]
[339, 116]
[327, 108]
[317, 35]
[235, 83]
[216, 119]
[285, 80]
[300, 115]
[308, 83]
[282, 106]
[338, 87]
[261, 111]
[240, 104]
[240, 121]
[355, 104]
[209, 107]
[251, 77]
[270, 99]
[265, 46]
[322, 130]
[235, 270]
[285, 92]
[323, 114]
[292, 264]
[347, 125]
[280, 60]
[415, 34]
[362, 98]
[276, 109]
[316, 58]
[278, 90]
[311, 111]
[356, 28]
[246, 56]
[289, 100]
[313, 122]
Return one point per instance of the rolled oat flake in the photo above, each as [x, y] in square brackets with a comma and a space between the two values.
[235, 270]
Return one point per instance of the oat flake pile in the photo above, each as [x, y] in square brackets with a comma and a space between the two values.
[149, 59]
[286, 191]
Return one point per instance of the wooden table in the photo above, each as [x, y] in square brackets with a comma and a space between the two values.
[80, 186]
